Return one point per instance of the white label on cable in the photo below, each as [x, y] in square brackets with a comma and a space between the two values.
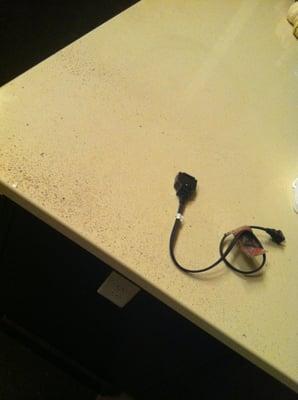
[118, 289]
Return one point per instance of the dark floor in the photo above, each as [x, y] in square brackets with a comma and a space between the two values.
[24, 375]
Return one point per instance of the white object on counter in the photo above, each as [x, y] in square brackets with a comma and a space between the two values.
[293, 18]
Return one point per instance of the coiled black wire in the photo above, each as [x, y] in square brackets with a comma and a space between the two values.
[222, 251]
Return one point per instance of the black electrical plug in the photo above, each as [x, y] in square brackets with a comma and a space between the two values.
[276, 235]
[185, 186]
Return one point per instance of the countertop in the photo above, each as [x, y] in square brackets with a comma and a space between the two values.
[91, 140]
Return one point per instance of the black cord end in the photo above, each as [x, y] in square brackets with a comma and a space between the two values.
[185, 186]
[276, 235]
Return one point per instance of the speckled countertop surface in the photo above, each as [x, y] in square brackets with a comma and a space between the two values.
[92, 138]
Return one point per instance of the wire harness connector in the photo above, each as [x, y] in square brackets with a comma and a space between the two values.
[244, 237]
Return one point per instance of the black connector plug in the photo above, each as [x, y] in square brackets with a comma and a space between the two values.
[276, 235]
[185, 186]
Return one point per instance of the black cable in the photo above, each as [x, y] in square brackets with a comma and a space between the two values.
[223, 253]
[185, 186]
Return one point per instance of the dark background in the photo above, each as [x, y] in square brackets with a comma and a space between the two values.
[32, 30]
